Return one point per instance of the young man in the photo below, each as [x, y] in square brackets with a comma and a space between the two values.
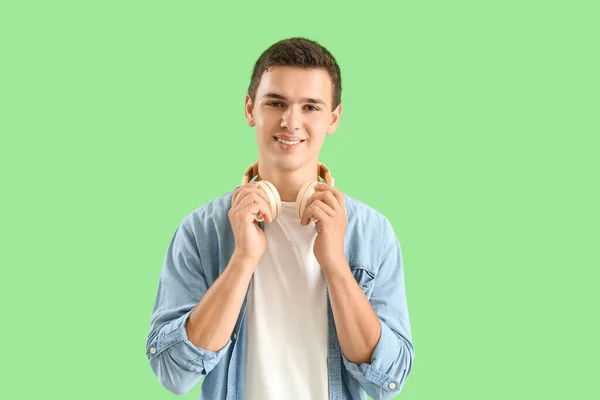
[289, 308]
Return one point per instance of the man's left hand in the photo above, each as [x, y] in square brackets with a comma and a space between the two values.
[326, 206]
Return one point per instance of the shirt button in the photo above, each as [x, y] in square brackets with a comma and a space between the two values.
[392, 385]
[234, 336]
[152, 350]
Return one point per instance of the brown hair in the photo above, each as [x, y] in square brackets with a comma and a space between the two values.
[302, 53]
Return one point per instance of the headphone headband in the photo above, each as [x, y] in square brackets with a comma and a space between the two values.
[322, 172]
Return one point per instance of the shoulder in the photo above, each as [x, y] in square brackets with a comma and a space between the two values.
[369, 234]
[209, 217]
[364, 216]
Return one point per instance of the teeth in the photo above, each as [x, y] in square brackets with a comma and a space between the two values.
[286, 142]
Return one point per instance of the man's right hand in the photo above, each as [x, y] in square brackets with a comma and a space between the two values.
[248, 200]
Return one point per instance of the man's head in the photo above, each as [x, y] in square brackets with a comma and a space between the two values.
[299, 53]
[294, 93]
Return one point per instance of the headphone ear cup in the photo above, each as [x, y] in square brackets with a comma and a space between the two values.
[274, 199]
[304, 194]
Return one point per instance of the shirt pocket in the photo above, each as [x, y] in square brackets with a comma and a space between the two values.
[363, 276]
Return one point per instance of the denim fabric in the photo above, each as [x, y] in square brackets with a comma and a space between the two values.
[199, 251]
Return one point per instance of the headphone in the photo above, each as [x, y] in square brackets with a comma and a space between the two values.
[307, 190]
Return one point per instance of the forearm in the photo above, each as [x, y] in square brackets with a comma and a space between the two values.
[357, 325]
[212, 320]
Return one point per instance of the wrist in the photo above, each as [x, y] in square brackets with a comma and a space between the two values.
[243, 260]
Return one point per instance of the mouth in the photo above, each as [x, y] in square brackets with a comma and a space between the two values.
[288, 145]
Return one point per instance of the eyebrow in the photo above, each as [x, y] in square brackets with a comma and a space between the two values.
[304, 100]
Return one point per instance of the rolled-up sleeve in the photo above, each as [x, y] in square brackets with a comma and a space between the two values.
[393, 355]
[177, 363]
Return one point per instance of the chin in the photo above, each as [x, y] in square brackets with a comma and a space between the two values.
[288, 165]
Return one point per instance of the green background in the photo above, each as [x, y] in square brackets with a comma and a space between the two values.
[472, 125]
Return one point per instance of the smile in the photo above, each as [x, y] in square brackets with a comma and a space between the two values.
[286, 142]
[287, 145]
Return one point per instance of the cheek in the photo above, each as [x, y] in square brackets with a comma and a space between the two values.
[270, 119]
[262, 121]
[318, 126]
[319, 121]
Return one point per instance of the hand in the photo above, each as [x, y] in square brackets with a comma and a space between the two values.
[326, 206]
[250, 240]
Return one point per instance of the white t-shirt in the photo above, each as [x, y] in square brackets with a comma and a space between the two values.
[287, 316]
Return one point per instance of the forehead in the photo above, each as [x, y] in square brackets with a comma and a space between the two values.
[294, 82]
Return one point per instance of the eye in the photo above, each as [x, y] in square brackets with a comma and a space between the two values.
[313, 108]
[274, 103]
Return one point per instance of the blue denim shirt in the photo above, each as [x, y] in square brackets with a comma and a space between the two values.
[199, 251]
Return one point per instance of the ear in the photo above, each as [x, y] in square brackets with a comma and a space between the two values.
[249, 111]
[335, 120]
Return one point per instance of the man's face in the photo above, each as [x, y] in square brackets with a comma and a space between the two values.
[293, 104]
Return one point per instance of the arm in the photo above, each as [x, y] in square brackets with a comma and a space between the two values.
[212, 321]
[188, 337]
[375, 334]
[357, 325]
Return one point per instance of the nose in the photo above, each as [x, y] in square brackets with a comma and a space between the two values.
[291, 119]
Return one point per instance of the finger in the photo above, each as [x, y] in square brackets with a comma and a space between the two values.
[320, 205]
[251, 187]
[338, 194]
[260, 191]
[252, 197]
[317, 210]
[235, 194]
[253, 209]
[326, 197]
[255, 198]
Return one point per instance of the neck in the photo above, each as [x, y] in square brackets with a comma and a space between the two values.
[288, 182]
